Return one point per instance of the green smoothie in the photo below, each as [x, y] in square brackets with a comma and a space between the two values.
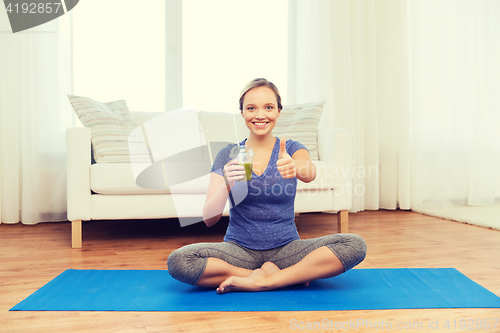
[248, 171]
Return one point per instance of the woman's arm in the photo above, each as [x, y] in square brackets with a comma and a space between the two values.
[218, 191]
[305, 169]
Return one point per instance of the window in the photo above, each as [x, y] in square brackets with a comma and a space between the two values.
[119, 52]
[227, 43]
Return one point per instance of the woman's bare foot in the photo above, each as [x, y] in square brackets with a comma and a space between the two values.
[253, 282]
[256, 281]
[270, 268]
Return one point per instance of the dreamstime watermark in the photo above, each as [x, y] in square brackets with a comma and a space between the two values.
[27, 14]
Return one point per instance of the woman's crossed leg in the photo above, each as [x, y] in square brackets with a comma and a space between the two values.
[231, 267]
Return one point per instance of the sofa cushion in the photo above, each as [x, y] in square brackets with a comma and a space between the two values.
[118, 178]
[110, 124]
[300, 123]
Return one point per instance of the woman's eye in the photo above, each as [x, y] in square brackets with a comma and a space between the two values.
[270, 108]
[250, 108]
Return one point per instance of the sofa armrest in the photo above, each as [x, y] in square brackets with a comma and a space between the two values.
[335, 146]
[78, 162]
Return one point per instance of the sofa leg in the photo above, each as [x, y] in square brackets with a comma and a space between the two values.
[76, 234]
[343, 221]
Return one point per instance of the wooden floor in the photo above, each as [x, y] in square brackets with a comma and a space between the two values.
[30, 256]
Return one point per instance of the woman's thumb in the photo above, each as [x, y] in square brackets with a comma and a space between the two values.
[282, 152]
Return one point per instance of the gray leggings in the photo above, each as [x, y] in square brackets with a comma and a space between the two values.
[188, 263]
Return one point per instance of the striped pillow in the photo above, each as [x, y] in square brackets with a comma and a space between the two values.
[300, 123]
[110, 124]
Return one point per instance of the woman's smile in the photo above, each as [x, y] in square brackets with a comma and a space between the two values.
[260, 124]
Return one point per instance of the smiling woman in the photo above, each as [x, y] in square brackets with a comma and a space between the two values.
[262, 249]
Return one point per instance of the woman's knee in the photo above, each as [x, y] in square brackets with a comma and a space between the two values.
[358, 245]
[185, 265]
[349, 248]
[175, 262]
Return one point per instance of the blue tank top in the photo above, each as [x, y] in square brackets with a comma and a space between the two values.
[261, 214]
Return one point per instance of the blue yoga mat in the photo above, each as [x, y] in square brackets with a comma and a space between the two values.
[357, 289]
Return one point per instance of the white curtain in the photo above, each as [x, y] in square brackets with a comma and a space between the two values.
[417, 83]
[455, 70]
[35, 76]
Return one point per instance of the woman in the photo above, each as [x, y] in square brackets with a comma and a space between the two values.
[262, 249]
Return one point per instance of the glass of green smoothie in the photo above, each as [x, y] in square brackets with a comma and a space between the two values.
[244, 155]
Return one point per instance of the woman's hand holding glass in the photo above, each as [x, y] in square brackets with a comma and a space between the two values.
[233, 172]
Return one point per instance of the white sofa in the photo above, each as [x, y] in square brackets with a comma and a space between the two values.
[108, 191]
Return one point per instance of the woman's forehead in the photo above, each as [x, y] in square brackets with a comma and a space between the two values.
[262, 95]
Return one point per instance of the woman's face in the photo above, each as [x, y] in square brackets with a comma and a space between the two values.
[260, 110]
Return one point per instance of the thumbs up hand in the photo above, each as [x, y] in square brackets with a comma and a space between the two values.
[285, 163]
